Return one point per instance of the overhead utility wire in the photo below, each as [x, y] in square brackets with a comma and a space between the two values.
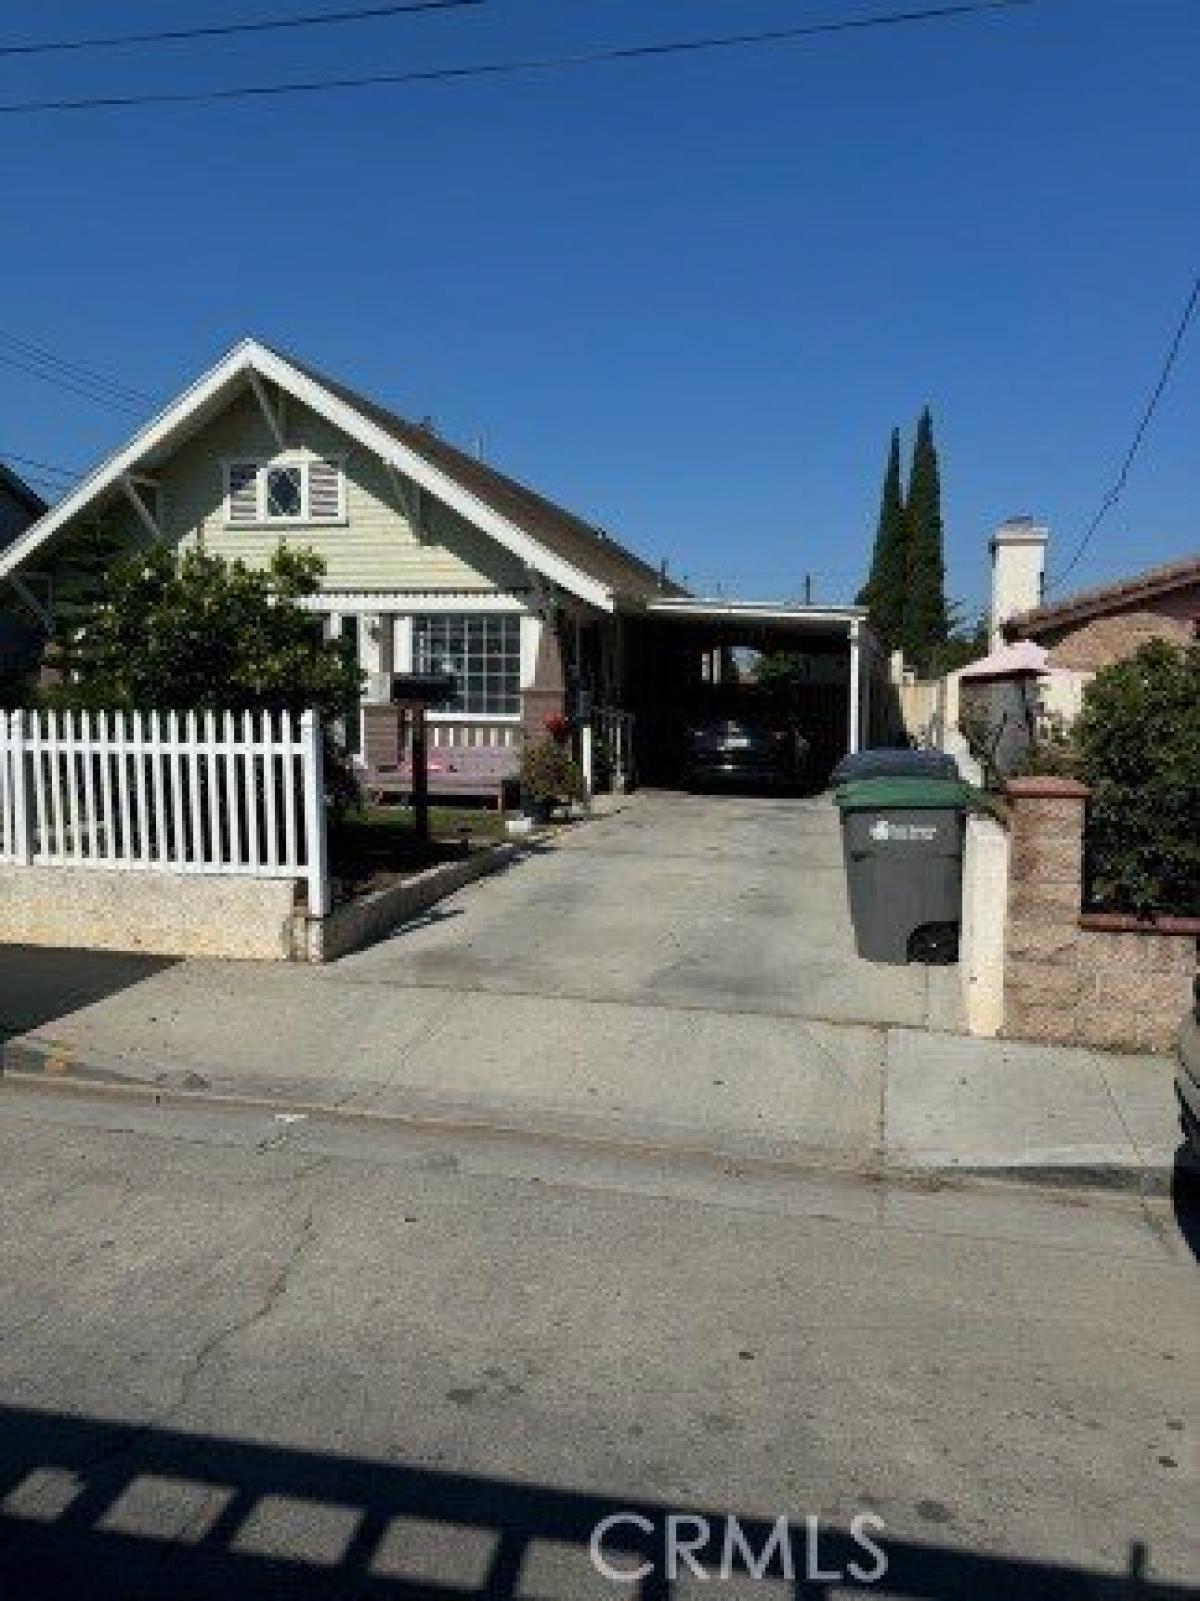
[222, 30]
[72, 369]
[33, 461]
[1164, 377]
[98, 396]
[527, 64]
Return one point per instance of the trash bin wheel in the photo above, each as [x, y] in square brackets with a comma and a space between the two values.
[934, 944]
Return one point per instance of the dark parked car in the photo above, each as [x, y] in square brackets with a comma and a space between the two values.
[747, 741]
[1187, 1073]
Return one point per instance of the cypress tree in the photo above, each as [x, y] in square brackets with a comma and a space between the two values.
[925, 620]
[884, 589]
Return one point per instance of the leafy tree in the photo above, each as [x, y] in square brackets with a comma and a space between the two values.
[190, 631]
[925, 621]
[884, 590]
[1138, 740]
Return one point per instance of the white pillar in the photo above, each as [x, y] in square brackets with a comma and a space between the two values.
[868, 667]
[855, 682]
[587, 762]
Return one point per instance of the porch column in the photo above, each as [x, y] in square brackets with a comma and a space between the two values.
[855, 683]
[375, 654]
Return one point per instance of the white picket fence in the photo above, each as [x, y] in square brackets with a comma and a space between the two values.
[178, 792]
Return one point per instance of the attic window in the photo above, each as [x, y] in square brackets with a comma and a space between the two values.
[300, 490]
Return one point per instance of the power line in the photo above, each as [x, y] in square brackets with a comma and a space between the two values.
[216, 30]
[72, 369]
[527, 64]
[1118, 488]
[46, 466]
[98, 397]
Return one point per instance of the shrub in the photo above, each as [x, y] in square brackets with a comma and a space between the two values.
[1138, 738]
[193, 632]
[549, 777]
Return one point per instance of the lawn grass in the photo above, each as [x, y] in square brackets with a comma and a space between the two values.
[380, 842]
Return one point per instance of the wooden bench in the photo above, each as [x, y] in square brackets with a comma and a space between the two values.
[464, 772]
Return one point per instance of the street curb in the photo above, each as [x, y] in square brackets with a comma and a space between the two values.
[45, 1067]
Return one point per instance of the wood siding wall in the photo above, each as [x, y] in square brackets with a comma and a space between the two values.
[376, 548]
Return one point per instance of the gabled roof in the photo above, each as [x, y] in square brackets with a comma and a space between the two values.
[552, 541]
[579, 542]
[1105, 598]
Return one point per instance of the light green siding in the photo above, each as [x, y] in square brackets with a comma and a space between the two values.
[374, 549]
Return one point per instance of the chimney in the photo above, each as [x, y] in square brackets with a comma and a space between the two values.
[1018, 572]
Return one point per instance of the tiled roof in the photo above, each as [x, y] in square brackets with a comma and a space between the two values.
[1104, 598]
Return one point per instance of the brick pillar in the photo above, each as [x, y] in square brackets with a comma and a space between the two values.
[546, 696]
[1042, 980]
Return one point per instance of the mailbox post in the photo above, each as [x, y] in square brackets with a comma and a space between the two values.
[412, 695]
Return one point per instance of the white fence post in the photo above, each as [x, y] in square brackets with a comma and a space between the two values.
[20, 794]
[315, 844]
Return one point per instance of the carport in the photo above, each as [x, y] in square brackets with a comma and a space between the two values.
[677, 644]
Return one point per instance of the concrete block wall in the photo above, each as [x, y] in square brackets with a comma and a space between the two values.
[1076, 978]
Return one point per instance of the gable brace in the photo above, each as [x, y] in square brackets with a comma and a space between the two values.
[32, 602]
[274, 422]
[139, 505]
[409, 496]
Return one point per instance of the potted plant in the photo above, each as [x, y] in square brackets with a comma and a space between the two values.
[549, 778]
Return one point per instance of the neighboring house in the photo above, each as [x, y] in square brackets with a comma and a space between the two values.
[1096, 627]
[434, 560]
[20, 506]
[1044, 654]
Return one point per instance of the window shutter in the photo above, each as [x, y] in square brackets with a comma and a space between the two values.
[324, 491]
[243, 492]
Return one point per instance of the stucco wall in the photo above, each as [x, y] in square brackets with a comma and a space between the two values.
[162, 914]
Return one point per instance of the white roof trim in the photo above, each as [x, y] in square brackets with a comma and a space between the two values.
[249, 358]
[756, 610]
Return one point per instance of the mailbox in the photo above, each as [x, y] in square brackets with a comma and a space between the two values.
[422, 689]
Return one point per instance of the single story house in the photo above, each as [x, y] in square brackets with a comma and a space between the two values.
[437, 561]
[1095, 627]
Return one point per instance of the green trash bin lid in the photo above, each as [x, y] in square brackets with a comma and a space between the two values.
[910, 794]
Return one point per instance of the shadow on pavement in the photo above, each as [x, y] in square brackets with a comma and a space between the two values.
[1185, 1197]
[90, 1509]
[39, 984]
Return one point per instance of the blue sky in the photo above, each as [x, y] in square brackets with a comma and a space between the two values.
[690, 297]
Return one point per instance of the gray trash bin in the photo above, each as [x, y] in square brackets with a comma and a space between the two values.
[883, 761]
[902, 840]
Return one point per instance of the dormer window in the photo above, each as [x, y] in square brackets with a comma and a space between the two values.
[303, 490]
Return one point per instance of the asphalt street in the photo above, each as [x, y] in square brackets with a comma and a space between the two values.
[254, 1356]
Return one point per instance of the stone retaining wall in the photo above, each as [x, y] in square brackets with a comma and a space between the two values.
[1078, 978]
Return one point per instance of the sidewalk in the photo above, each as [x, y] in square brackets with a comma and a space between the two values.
[740, 1086]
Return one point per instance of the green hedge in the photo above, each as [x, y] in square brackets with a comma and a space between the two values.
[1138, 745]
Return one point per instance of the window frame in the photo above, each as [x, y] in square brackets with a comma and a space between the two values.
[513, 660]
[262, 465]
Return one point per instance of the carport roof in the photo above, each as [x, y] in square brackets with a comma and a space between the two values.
[769, 613]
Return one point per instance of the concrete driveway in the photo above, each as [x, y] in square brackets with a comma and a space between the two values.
[678, 973]
[722, 903]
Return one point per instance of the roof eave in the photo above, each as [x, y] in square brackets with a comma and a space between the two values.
[251, 356]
